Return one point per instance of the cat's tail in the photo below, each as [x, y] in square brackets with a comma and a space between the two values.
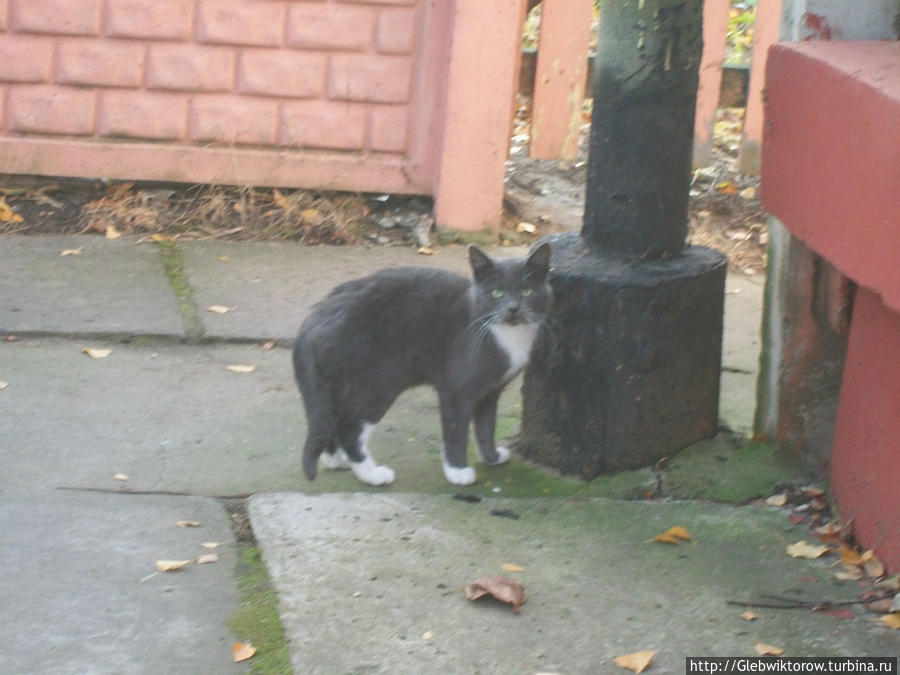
[317, 402]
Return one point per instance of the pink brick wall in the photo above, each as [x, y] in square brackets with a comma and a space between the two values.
[309, 74]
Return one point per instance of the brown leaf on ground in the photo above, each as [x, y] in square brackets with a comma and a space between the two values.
[172, 565]
[849, 557]
[674, 535]
[891, 620]
[501, 588]
[112, 232]
[96, 353]
[803, 549]
[777, 500]
[840, 613]
[241, 651]
[7, 215]
[207, 558]
[749, 616]
[638, 661]
[767, 650]
[187, 523]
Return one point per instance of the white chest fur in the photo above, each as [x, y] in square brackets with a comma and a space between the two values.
[516, 342]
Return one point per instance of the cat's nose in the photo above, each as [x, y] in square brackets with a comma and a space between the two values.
[513, 314]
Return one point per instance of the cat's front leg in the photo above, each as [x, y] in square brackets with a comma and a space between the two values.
[455, 416]
[485, 419]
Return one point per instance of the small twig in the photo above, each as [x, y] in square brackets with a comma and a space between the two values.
[787, 603]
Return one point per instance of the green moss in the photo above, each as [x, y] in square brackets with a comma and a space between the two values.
[257, 620]
[477, 237]
[175, 266]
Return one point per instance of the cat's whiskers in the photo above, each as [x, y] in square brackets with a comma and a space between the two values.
[484, 325]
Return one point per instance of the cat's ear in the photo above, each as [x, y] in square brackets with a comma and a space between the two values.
[482, 266]
[538, 262]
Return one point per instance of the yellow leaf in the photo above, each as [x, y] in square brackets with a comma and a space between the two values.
[804, 550]
[187, 523]
[674, 535]
[238, 368]
[7, 215]
[160, 237]
[425, 251]
[207, 558]
[749, 616]
[112, 232]
[525, 228]
[280, 200]
[312, 216]
[849, 556]
[97, 353]
[223, 258]
[891, 620]
[512, 567]
[71, 251]
[172, 565]
[767, 650]
[637, 662]
[241, 651]
[219, 309]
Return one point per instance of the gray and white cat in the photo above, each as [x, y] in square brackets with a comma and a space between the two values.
[372, 338]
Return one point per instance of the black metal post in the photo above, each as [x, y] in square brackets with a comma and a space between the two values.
[629, 371]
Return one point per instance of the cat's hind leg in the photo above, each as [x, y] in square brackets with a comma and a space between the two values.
[355, 442]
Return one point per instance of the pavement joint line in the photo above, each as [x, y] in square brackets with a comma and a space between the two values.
[175, 264]
[167, 339]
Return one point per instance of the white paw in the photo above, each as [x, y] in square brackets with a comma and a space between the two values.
[372, 474]
[335, 461]
[465, 476]
[503, 454]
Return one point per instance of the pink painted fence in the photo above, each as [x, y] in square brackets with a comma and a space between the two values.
[331, 94]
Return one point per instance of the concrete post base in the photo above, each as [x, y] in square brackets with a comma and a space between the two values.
[628, 371]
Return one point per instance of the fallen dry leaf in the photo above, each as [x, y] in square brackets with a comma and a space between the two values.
[891, 620]
[829, 532]
[97, 353]
[749, 616]
[120, 476]
[850, 557]
[3, 384]
[219, 309]
[71, 251]
[847, 575]
[7, 215]
[840, 613]
[428, 635]
[767, 650]
[777, 500]
[223, 258]
[526, 228]
[187, 523]
[160, 237]
[637, 662]
[207, 558]
[512, 567]
[172, 565]
[211, 544]
[112, 232]
[424, 250]
[803, 549]
[241, 651]
[238, 368]
[674, 535]
[268, 346]
[501, 588]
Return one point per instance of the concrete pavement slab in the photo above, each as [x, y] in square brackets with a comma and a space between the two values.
[79, 592]
[271, 286]
[373, 583]
[111, 286]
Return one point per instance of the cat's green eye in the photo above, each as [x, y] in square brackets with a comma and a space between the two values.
[497, 293]
[526, 292]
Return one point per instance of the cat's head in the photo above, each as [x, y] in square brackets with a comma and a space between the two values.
[512, 291]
